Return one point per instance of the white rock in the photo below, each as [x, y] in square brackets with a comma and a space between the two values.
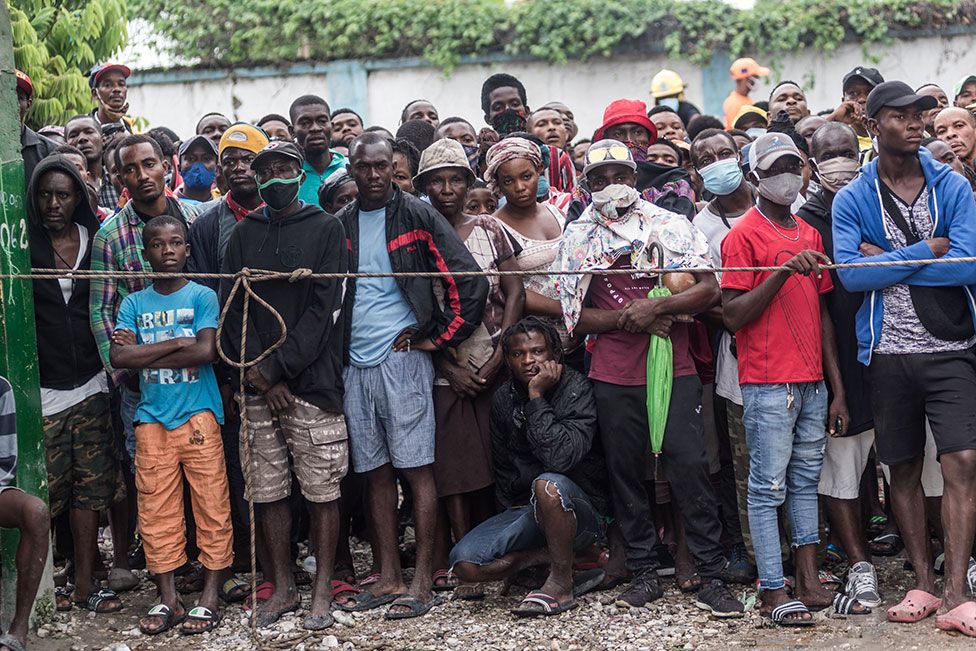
[330, 642]
[344, 618]
[43, 632]
[133, 632]
[286, 626]
[453, 642]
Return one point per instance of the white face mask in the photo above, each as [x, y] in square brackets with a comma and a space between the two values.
[781, 189]
[837, 172]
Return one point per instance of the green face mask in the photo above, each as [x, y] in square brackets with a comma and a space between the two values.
[280, 193]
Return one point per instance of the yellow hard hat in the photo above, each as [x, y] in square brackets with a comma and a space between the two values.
[666, 84]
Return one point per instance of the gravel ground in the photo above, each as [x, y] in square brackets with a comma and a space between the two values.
[670, 623]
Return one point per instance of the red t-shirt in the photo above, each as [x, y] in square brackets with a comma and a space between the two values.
[783, 344]
[620, 357]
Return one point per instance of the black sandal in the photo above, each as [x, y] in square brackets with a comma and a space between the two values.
[415, 606]
[548, 605]
[96, 598]
[887, 544]
[200, 614]
[169, 619]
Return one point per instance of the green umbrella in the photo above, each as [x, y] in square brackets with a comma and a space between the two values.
[660, 372]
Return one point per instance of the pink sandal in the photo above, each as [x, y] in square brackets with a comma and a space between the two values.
[961, 618]
[916, 606]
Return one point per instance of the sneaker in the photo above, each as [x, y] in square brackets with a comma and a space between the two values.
[644, 588]
[739, 569]
[862, 584]
[714, 596]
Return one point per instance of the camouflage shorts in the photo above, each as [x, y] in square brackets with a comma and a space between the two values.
[82, 468]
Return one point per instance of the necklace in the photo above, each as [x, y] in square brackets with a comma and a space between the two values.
[776, 228]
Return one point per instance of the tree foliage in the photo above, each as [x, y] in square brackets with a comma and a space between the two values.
[56, 42]
[245, 32]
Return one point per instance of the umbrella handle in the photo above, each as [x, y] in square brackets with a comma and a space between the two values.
[656, 246]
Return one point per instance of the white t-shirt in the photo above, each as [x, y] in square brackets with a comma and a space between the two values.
[726, 366]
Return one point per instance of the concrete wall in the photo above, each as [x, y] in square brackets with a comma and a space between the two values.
[379, 89]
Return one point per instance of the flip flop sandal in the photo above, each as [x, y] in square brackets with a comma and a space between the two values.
[318, 622]
[169, 619]
[916, 606]
[844, 605]
[265, 619]
[200, 614]
[780, 615]
[366, 600]
[688, 584]
[370, 580]
[611, 581]
[550, 606]
[887, 544]
[829, 578]
[12, 643]
[234, 589]
[340, 588]
[938, 565]
[62, 598]
[263, 592]
[96, 598]
[121, 580]
[877, 523]
[835, 556]
[417, 608]
[451, 581]
[588, 581]
[961, 618]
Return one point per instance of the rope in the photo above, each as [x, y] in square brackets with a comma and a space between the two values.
[245, 277]
[258, 275]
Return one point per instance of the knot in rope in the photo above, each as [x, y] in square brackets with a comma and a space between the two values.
[243, 279]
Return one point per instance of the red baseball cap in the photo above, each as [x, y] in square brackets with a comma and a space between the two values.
[623, 111]
[24, 83]
[96, 73]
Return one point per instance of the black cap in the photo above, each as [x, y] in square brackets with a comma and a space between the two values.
[897, 94]
[870, 76]
[281, 148]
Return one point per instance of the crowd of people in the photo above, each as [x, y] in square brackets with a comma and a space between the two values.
[586, 425]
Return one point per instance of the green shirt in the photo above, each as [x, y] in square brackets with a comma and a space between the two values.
[309, 192]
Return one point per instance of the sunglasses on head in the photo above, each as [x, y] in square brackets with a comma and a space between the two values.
[614, 152]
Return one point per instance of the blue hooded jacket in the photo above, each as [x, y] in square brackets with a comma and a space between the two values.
[857, 218]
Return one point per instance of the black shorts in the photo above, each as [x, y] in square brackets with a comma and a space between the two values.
[907, 389]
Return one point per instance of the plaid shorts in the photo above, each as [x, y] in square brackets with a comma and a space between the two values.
[316, 440]
[390, 410]
[82, 467]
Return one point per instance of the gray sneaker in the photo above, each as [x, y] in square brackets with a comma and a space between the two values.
[862, 584]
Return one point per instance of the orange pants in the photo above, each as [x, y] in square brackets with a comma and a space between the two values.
[196, 447]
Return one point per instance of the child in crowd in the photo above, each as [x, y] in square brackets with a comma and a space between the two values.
[168, 331]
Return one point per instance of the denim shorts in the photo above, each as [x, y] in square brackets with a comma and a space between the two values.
[390, 412]
[517, 529]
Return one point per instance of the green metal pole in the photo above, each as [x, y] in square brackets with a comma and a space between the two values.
[18, 341]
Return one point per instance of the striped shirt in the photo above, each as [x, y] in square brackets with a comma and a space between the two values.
[8, 435]
[118, 247]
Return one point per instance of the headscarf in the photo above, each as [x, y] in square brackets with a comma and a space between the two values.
[506, 150]
[602, 235]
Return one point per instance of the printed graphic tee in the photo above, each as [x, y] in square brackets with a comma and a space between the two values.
[171, 395]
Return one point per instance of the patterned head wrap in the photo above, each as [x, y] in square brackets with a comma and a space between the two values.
[507, 150]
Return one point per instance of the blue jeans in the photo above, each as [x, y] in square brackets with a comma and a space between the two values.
[130, 402]
[786, 450]
[517, 528]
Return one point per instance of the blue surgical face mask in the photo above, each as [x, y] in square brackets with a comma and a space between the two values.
[755, 132]
[670, 102]
[198, 177]
[722, 177]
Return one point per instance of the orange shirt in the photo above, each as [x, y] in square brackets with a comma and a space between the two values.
[732, 104]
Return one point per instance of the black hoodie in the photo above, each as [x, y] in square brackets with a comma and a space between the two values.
[842, 306]
[66, 350]
[310, 360]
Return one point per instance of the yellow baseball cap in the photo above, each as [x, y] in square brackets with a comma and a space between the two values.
[243, 136]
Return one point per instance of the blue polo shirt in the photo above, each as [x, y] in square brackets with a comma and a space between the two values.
[309, 192]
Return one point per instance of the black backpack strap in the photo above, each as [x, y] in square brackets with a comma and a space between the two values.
[891, 207]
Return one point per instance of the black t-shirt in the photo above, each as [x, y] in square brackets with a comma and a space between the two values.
[172, 209]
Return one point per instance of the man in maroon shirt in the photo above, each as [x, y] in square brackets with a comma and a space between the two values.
[618, 231]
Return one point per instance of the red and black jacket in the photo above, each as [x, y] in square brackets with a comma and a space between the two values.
[420, 239]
